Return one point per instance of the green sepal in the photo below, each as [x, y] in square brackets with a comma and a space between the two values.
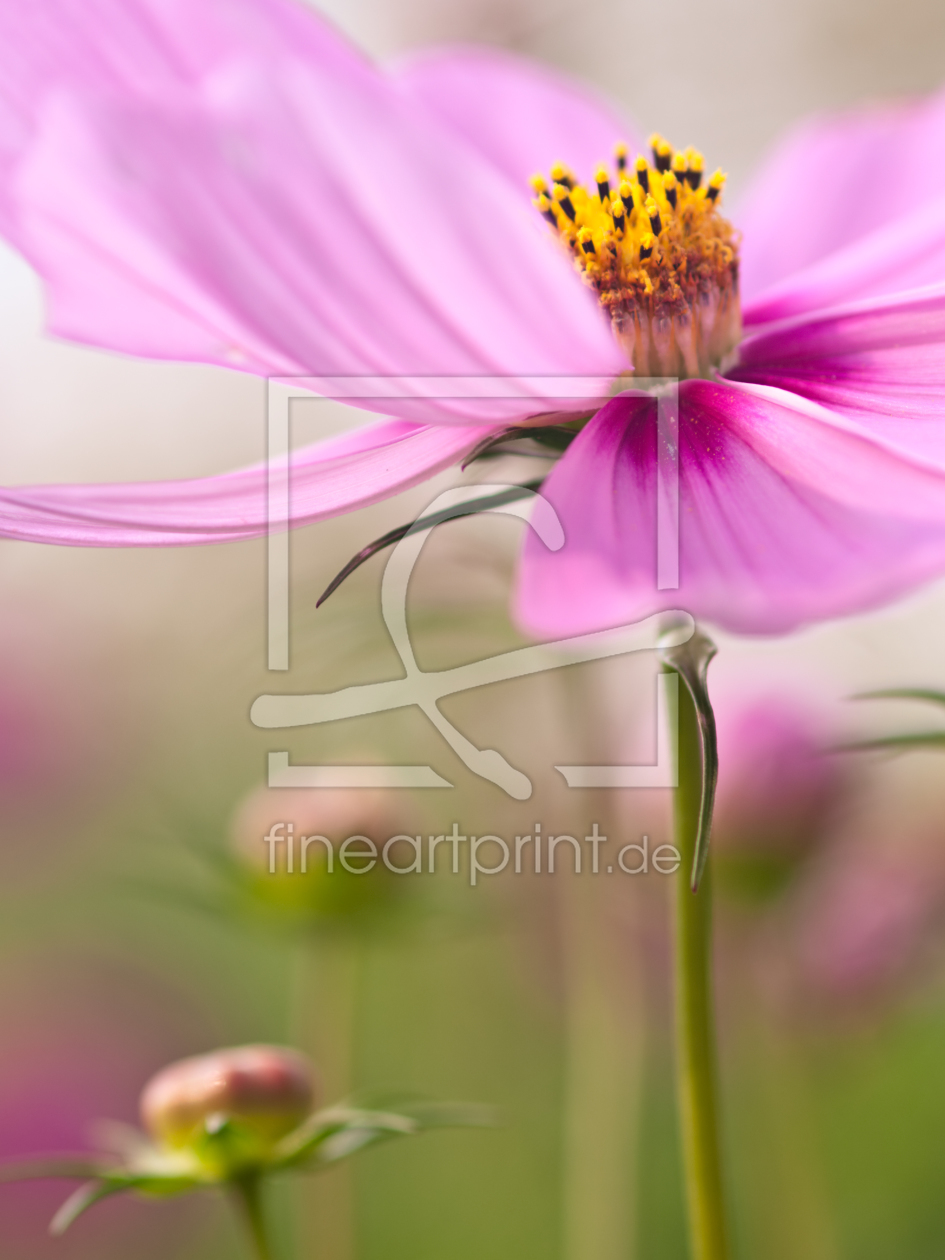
[691, 660]
[555, 437]
[87, 1196]
[471, 507]
[81, 1200]
[333, 1135]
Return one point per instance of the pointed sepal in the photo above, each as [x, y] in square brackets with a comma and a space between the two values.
[691, 660]
[333, 1135]
[79, 1202]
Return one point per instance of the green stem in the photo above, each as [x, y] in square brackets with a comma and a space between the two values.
[324, 1019]
[695, 1017]
[603, 1069]
[249, 1196]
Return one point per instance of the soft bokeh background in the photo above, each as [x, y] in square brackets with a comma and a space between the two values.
[126, 748]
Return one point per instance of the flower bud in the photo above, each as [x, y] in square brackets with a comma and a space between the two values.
[265, 1091]
[289, 844]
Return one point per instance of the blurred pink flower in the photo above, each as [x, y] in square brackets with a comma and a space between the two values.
[779, 786]
[867, 921]
[75, 1045]
[232, 183]
[55, 765]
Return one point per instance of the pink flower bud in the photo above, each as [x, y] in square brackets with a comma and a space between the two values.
[289, 844]
[267, 1090]
[335, 813]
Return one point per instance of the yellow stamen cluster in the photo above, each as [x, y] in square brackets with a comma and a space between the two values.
[650, 239]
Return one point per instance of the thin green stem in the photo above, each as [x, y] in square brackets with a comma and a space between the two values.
[695, 1017]
[602, 1082]
[249, 1196]
[324, 1024]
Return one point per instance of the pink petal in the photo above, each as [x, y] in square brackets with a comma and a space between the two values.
[765, 543]
[880, 365]
[140, 49]
[517, 114]
[834, 180]
[295, 212]
[328, 478]
[906, 253]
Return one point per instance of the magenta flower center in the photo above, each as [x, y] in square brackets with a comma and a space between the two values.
[663, 260]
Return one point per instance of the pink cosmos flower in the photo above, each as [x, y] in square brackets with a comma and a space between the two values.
[232, 183]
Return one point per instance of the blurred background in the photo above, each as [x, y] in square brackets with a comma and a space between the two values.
[135, 921]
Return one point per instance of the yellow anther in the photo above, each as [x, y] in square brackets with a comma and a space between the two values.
[620, 153]
[539, 183]
[647, 242]
[679, 165]
[696, 164]
[662, 152]
[715, 185]
[670, 188]
[601, 175]
[626, 193]
[561, 175]
[653, 214]
[546, 208]
[562, 196]
[585, 240]
[617, 208]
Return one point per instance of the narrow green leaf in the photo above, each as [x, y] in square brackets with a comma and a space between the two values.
[904, 693]
[691, 660]
[914, 739]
